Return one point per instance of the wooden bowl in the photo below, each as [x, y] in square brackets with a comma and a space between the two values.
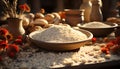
[101, 32]
[61, 46]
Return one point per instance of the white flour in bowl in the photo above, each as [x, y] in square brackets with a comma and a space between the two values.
[60, 34]
[96, 25]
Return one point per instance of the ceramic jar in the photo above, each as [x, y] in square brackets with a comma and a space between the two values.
[74, 16]
[96, 13]
[86, 5]
[15, 27]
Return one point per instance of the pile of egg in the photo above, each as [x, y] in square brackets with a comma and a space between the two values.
[38, 21]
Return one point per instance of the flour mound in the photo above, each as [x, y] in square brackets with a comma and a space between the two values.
[60, 34]
[96, 25]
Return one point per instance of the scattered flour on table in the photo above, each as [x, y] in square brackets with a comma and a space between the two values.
[96, 25]
[43, 60]
[57, 33]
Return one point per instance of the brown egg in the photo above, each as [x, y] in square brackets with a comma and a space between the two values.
[56, 15]
[37, 28]
[25, 22]
[31, 15]
[57, 18]
[40, 22]
[49, 17]
[39, 15]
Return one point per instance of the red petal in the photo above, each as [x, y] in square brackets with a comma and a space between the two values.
[13, 48]
[3, 31]
[109, 44]
[104, 50]
[11, 54]
[18, 41]
[94, 40]
[24, 7]
[3, 44]
[19, 37]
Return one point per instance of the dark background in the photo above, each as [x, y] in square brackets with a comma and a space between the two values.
[59, 5]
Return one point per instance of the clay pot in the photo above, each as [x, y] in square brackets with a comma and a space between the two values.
[74, 16]
[15, 27]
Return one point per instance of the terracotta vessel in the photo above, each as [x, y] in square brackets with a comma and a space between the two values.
[74, 16]
[15, 27]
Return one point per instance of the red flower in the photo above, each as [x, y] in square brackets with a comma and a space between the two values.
[109, 45]
[19, 37]
[94, 40]
[9, 37]
[18, 41]
[3, 31]
[105, 50]
[12, 48]
[11, 54]
[7, 45]
[24, 7]
[3, 44]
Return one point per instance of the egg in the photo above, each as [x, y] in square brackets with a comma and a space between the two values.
[41, 22]
[25, 22]
[57, 18]
[39, 15]
[30, 16]
[49, 17]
